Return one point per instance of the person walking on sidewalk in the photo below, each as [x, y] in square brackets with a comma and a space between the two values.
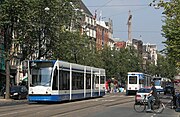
[112, 87]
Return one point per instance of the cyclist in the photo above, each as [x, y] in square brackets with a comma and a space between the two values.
[152, 95]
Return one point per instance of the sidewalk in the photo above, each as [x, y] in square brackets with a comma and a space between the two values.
[4, 102]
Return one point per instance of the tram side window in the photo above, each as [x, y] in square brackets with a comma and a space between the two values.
[35, 78]
[64, 80]
[88, 81]
[74, 81]
[96, 79]
[60, 80]
[141, 81]
[102, 80]
[132, 79]
[55, 80]
[77, 81]
[93, 84]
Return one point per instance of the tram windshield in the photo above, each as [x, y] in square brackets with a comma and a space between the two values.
[41, 75]
[132, 79]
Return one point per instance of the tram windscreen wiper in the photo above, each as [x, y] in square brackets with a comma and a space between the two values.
[46, 83]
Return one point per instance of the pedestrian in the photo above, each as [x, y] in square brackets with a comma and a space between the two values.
[121, 89]
[112, 87]
[107, 87]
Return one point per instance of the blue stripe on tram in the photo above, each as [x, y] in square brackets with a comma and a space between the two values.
[58, 98]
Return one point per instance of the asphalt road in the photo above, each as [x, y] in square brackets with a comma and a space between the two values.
[113, 105]
[126, 110]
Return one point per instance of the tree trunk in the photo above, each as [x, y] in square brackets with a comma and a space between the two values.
[7, 80]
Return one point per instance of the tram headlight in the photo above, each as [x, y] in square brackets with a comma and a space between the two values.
[48, 90]
[30, 89]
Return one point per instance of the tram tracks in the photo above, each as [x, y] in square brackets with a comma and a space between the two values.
[46, 110]
[98, 106]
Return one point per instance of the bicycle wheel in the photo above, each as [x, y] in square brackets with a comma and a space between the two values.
[139, 107]
[158, 107]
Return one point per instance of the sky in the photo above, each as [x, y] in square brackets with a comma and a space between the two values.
[146, 20]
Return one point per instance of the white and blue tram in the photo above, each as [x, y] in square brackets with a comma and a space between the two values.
[137, 80]
[54, 81]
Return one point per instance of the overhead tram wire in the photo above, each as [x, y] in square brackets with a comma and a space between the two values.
[113, 15]
[121, 5]
[103, 5]
[139, 31]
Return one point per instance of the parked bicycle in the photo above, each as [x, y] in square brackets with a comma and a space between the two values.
[156, 105]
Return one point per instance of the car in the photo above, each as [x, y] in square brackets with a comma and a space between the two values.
[141, 93]
[169, 90]
[18, 92]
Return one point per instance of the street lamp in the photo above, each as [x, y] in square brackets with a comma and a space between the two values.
[47, 9]
[155, 4]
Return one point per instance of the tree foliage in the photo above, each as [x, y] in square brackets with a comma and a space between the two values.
[171, 29]
[34, 26]
[166, 67]
[118, 62]
[53, 33]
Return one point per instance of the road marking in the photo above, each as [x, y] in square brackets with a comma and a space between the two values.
[95, 100]
[108, 100]
[153, 115]
[13, 113]
[130, 96]
[167, 103]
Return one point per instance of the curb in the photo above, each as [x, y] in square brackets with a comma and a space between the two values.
[5, 102]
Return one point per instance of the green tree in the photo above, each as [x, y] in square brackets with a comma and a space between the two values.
[171, 28]
[151, 69]
[118, 62]
[27, 24]
[12, 15]
[47, 21]
[107, 56]
[166, 67]
[72, 48]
